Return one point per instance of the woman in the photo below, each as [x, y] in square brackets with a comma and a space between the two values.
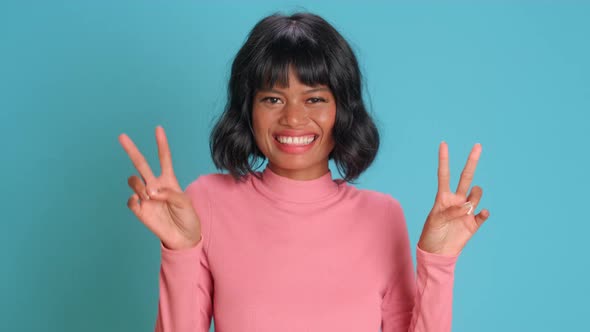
[290, 248]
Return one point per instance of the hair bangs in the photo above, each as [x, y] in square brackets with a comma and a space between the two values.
[307, 60]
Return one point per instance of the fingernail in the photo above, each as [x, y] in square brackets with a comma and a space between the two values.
[468, 205]
[153, 192]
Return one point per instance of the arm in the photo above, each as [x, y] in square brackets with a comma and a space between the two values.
[448, 227]
[422, 304]
[186, 284]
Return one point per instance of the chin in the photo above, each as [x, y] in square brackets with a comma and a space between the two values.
[292, 164]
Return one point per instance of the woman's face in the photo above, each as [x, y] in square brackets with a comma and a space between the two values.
[293, 128]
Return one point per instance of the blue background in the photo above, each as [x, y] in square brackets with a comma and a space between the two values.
[513, 76]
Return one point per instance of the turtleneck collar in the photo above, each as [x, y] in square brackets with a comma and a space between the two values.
[298, 191]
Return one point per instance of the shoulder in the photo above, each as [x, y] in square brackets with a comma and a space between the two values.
[381, 207]
[375, 199]
[203, 191]
[214, 183]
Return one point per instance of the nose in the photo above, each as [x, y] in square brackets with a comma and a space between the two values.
[294, 115]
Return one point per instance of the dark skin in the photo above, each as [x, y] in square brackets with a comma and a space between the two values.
[167, 211]
[160, 203]
[450, 225]
[300, 109]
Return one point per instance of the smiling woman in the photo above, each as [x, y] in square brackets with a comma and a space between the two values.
[290, 248]
[293, 128]
[295, 75]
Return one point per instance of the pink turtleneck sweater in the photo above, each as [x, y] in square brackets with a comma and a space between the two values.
[279, 254]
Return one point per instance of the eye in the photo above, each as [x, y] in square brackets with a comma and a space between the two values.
[271, 100]
[315, 100]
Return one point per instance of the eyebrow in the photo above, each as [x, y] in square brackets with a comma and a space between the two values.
[306, 91]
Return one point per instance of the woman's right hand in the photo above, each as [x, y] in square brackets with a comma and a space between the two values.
[159, 202]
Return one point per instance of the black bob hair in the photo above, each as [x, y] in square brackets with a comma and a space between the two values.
[319, 55]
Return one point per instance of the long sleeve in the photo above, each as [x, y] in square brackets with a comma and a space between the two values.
[422, 304]
[185, 281]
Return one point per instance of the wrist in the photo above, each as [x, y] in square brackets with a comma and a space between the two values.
[438, 251]
[182, 246]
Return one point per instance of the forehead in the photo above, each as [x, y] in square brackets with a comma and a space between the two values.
[302, 89]
[272, 73]
[293, 82]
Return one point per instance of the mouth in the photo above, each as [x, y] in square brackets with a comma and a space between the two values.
[295, 140]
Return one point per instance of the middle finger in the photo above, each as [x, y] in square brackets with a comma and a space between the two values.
[137, 158]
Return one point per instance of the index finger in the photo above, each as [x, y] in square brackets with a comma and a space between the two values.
[469, 170]
[137, 158]
[443, 168]
[164, 151]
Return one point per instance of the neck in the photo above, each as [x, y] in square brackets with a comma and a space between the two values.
[299, 174]
[282, 188]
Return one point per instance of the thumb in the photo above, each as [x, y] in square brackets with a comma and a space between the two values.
[458, 211]
[175, 198]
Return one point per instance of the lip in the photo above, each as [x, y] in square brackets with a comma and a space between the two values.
[294, 149]
[293, 133]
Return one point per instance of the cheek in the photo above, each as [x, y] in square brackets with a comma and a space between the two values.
[257, 122]
[327, 120]
[330, 120]
[260, 126]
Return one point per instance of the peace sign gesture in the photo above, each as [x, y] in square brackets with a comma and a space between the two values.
[452, 221]
[163, 206]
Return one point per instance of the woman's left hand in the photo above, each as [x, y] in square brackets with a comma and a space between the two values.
[452, 220]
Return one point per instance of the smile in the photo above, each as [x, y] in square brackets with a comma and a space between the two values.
[296, 140]
[295, 144]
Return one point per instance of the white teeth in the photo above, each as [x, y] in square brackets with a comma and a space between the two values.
[300, 140]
